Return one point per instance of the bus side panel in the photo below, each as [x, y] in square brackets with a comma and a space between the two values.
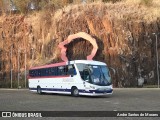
[64, 85]
[56, 85]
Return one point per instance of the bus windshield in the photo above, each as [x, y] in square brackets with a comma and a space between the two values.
[95, 74]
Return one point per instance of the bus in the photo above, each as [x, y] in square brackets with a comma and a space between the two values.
[78, 77]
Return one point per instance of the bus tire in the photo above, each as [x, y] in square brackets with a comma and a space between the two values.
[75, 92]
[39, 91]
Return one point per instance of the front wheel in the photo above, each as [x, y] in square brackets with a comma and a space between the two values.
[39, 91]
[75, 92]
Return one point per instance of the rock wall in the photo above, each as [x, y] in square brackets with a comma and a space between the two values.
[123, 32]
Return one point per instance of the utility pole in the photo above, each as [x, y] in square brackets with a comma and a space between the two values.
[25, 66]
[156, 35]
[32, 55]
[11, 64]
[157, 58]
[18, 66]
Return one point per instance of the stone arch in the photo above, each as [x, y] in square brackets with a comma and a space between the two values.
[73, 37]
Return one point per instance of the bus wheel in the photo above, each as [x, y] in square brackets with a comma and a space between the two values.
[75, 92]
[39, 91]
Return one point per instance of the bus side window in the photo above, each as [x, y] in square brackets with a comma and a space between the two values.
[53, 71]
[66, 70]
[75, 73]
[85, 74]
[38, 73]
[46, 71]
[31, 73]
[49, 72]
[74, 70]
[60, 70]
[71, 70]
[42, 72]
[56, 71]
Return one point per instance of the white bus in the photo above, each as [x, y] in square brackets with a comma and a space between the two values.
[78, 77]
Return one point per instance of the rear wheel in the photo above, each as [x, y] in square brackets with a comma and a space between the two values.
[39, 91]
[75, 92]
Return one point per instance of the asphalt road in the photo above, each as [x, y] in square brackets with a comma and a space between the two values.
[123, 99]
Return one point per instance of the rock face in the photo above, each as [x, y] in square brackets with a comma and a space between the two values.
[123, 31]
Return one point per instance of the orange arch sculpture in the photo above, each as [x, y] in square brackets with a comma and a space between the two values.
[73, 37]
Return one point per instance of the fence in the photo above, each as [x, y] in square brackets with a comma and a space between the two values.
[5, 82]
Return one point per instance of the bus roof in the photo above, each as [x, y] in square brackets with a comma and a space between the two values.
[49, 65]
[92, 62]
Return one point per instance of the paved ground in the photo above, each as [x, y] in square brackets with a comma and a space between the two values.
[141, 99]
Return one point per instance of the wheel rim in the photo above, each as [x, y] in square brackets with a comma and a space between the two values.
[76, 92]
[39, 90]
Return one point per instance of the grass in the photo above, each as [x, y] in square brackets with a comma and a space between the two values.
[139, 9]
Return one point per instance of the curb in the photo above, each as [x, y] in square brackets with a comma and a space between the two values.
[13, 89]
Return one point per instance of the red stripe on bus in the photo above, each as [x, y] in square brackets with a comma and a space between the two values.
[49, 66]
[64, 76]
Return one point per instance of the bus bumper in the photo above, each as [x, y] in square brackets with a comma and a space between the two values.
[97, 92]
